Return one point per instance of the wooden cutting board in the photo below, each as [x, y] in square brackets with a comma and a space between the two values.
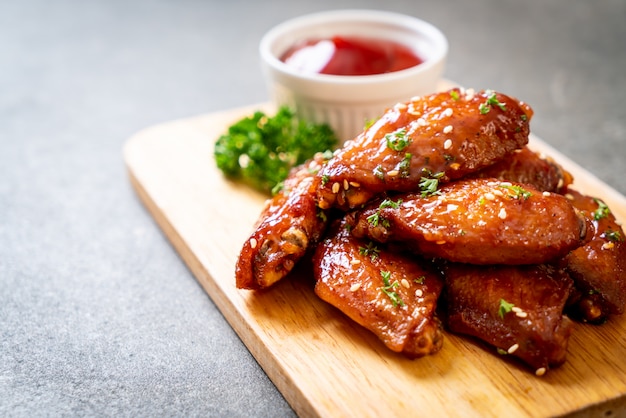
[323, 363]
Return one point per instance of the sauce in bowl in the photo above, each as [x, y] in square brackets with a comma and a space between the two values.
[350, 56]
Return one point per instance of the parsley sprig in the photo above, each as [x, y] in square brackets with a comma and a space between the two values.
[261, 149]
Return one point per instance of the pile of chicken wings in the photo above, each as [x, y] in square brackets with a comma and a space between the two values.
[438, 216]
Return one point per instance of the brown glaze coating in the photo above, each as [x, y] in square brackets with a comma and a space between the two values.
[454, 133]
[528, 167]
[598, 267]
[288, 225]
[477, 221]
[350, 276]
[533, 329]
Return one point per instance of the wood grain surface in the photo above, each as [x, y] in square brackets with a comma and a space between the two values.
[323, 363]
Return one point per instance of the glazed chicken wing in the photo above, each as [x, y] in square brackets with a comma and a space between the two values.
[288, 225]
[447, 135]
[598, 267]
[476, 221]
[528, 167]
[391, 294]
[518, 309]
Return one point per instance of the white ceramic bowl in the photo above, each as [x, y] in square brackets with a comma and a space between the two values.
[346, 103]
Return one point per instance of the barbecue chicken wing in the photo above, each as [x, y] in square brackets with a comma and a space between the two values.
[598, 267]
[288, 225]
[447, 135]
[528, 167]
[393, 295]
[518, 309]
[476, 221]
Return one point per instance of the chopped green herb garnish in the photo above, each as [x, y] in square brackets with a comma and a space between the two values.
[603, 210]
[613, 236]
[370, 250]
[404, 166]
[325, 179]
[455, 95]
[502, 352]
[388, 288]
[420, 280]
[504, 308]
[376, 218]
[492, 100]
[430, 185]
[388, 203]
[261, 150]
[398, 140]
[518, 191]
[379, 173]
[322, 215]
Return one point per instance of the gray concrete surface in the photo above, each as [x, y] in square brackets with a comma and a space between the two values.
[98, 314]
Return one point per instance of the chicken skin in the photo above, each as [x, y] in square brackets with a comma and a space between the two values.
[528, 167]
[518, 309]
[598, 267]
[288, 225]
[477, 221]
[447, 135]
[394, 295]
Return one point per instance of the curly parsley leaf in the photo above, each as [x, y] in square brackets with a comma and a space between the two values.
[261, 150]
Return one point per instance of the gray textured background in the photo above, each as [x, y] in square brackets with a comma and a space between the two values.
[98, 315]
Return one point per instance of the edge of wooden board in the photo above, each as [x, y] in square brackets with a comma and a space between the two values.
[314, 355]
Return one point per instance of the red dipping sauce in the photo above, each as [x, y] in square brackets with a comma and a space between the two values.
[350, 56]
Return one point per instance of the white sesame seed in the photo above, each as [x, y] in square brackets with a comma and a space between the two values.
[498, 192]
[355, 287]
[419, 293]
[546, 194]
[502, 214]
[452, 207]
[569, 196]
[405, 283]
[448, 112]
[492, 183]
[393, 173]
[253, 243]
[540, 371]
[521, 314]
[355, 184]
[469, 94]
[512, 348]
[336, 187]
[489, 196]
[346, 185]
[355, 261]
[608, 245]
[400, 106]
[421, 122]
[447, 144]
[415, 98]
[447, 129]
[506, 184]
[516, 309]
